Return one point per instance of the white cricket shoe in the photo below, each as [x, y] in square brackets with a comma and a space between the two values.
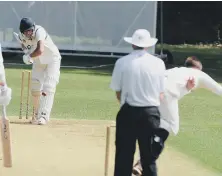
[42, 121]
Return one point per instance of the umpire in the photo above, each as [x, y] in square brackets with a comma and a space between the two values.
[138, 80]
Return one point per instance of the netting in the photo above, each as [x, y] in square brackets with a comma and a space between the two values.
[77, 26]
[81, 26]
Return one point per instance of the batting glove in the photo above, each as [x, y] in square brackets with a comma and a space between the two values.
[26, 51]
[27, 59]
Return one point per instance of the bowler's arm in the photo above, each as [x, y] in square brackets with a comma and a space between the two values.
[208, 83]
[190, 84]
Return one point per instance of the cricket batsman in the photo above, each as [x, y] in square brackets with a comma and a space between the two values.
[40, 51]
[5, 91]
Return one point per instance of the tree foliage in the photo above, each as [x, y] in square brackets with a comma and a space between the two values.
[190, 22]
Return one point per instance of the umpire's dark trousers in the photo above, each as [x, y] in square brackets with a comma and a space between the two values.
[137, 123]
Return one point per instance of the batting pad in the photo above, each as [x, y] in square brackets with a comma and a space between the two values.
[49, 84]
[47, 97]
[45, 106]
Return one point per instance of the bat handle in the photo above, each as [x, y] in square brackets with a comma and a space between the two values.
[4, 112]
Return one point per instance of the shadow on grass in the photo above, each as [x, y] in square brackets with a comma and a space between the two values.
[81, 64]
[20, 123]
[211, 59]
[96, 71]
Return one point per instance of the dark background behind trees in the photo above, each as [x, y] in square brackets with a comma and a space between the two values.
[190, 22]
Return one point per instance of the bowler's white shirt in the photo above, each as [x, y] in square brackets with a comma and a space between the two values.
[176, 80]
[140, 78]
[51, 51]
[175, 89]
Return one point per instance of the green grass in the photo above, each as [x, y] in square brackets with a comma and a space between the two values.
[86, 95]
[201, 128]
[79, 95]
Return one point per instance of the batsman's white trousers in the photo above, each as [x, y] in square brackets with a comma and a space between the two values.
[169, 113]
[42, 72]
[44, 79]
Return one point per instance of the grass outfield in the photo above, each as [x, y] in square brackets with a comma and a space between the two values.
[80, 95]
[86, 95]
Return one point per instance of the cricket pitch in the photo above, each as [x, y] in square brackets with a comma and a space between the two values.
[77, 147]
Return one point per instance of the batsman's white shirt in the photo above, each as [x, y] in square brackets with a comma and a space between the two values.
[175, 89]
[51, 52]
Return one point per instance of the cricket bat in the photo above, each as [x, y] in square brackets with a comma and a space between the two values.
[6, 141]
[17, 37]
[25, 50]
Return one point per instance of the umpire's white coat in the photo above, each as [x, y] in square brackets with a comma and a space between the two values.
[175, 82]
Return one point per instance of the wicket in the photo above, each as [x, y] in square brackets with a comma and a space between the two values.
[23, 86]
[108, 131]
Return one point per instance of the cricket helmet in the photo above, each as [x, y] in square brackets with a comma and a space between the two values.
[26, 24]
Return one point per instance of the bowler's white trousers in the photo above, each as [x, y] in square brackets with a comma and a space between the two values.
[169, 113]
